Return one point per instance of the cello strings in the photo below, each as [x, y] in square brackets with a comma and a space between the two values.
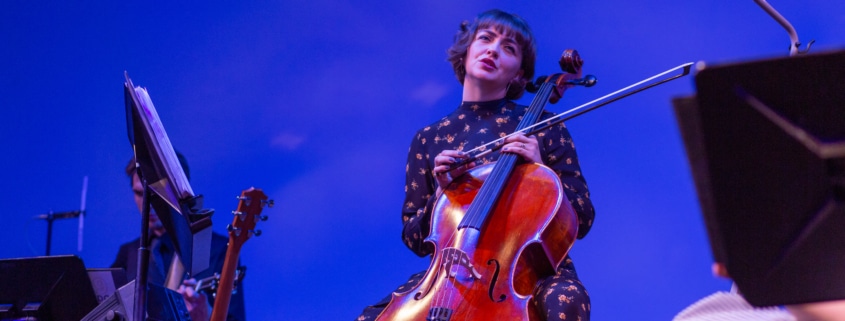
[475, 216]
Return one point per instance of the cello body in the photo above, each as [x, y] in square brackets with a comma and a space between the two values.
[490, 273]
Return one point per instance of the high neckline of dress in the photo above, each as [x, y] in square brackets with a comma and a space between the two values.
[491, 105]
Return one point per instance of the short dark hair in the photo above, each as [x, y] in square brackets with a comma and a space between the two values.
[504, 23]
[130, 167]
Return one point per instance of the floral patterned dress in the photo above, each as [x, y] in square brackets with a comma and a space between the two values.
[558, 297]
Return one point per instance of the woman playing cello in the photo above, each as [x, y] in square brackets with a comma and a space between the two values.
[493, 58]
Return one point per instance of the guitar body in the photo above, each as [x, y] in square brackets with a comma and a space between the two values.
[491, 274]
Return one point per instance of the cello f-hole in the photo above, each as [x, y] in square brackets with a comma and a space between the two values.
[493, 282]
[428, 288]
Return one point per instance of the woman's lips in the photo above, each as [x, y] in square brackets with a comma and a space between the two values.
[489, 63]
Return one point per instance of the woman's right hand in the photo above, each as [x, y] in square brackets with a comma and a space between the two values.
[443, 161]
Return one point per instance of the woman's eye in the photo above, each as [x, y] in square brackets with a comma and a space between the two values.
[484, 37]
[510, 49]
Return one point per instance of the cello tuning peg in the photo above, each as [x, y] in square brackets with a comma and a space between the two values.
[587, 81]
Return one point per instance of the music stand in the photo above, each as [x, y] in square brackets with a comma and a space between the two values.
[166, 190]
[47, 288]
[766, 144]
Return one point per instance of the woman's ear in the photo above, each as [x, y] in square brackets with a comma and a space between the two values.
[519, 74]
[519, 80]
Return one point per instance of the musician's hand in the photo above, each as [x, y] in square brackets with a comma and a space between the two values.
[443, 161]
[527, 147]
[196, 302]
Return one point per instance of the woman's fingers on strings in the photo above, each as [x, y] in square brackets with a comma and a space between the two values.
[527, 147]
[521, 138]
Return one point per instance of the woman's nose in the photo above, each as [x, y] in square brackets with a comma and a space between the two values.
[492, 51]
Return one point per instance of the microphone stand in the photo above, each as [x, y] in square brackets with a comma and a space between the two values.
[50, 217]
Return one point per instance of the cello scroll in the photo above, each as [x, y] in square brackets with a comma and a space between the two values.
[570, 63]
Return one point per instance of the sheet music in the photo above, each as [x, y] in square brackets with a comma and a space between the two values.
[179, 182]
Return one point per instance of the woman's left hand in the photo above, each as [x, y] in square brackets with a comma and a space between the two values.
[527, 147]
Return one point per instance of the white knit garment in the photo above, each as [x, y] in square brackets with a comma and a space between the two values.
[724, 306]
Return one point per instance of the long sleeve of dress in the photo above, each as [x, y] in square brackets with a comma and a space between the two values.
[558, 152]
[419, 195]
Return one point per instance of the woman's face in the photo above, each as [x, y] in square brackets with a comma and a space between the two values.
[493, 58]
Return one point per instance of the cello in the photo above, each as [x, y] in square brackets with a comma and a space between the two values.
[496, 231]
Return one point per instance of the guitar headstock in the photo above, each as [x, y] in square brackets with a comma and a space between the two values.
[247, 215]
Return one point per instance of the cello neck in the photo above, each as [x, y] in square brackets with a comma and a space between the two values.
[492, 189]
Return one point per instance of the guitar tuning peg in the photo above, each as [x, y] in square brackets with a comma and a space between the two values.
[233, 229]
[269, 203]
[237, 213]
[263, 217]
[256, 232]
[245, 199]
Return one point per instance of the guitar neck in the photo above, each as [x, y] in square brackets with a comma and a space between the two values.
[227, 283]
[242, 227]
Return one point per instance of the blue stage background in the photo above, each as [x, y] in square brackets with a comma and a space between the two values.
[316, 102]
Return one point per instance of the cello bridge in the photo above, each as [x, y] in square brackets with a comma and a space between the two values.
[453, 256]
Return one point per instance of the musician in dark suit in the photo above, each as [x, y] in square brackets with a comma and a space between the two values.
[162, 254]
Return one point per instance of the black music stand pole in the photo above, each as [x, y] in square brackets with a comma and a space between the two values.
[143, 254]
